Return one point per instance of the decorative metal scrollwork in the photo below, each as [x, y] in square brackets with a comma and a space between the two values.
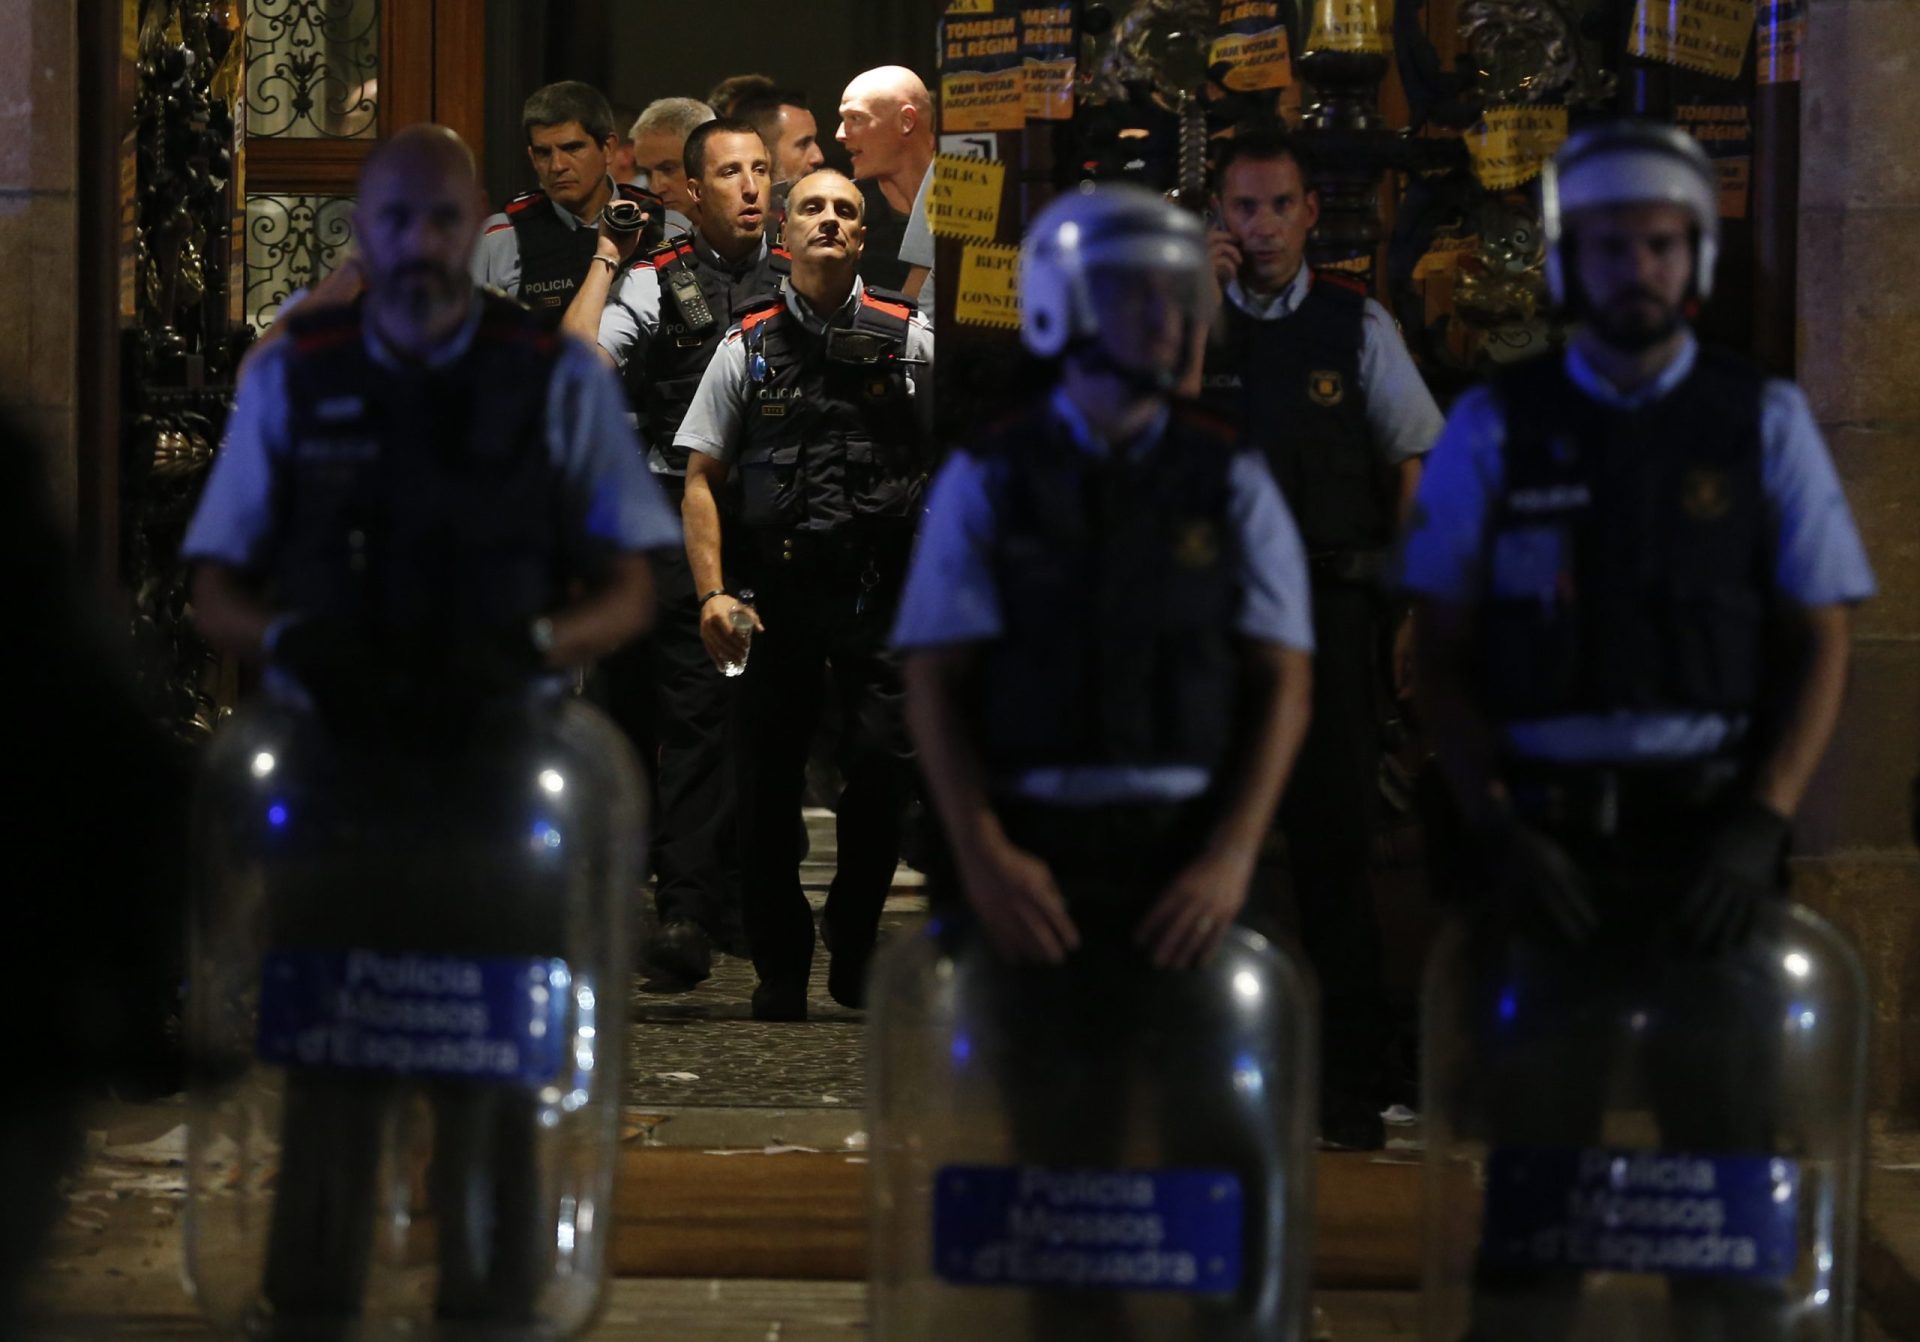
[292, 241]
[313, 69]
[1532, 51]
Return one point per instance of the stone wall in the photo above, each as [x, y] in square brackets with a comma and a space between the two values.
[37, 228]
[1859, 358]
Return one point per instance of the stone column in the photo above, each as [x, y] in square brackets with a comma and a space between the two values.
[37, 227]
[1859, 361]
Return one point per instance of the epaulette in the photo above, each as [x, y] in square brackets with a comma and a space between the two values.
[759, 309]
[890, 301]
[668, 252]
[1343, 280]
[525, 201]
[1205, 418]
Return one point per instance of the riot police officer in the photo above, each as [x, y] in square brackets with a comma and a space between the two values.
[659, 322]
[819, 401]
[424, 502]
[1108, 652]
[539, 248]
[1632, 566]
[1316, 376]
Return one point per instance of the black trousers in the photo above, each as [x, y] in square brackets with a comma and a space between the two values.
[1328, 817]
[1077, 1049]
[829, 607]
[677, 708]
[1709, 1065]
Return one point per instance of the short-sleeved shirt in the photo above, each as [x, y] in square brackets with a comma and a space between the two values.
[716, 421]
[951, 596]
[632, 316]
[496, 259]
[1819, 559]
[588, 439]
[1402, 419]
[916, 246]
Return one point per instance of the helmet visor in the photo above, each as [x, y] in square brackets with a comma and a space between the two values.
[1146, 316]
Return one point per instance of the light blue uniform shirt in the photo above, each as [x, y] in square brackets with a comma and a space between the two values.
[1819, 562]
[589, 440]
[951, 596]
[1402, 419]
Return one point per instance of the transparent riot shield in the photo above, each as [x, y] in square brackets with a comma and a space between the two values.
[1093, 1150]
[1628, 1143]
[407, 991]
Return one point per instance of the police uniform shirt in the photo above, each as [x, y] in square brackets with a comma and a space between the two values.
[1819, 562]
[951, 596]
[716, 422]
[916, 246]
[632, 315]
[1402, 418]
[589, 440]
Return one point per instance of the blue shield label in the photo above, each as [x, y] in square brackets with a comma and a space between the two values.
[479, 1018]
[1121, 1230]
[1642, 1211]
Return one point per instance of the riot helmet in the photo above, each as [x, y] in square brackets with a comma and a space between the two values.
[1118, 276]
[1628, 162]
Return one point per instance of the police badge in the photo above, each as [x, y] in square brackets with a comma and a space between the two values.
[1324, 387]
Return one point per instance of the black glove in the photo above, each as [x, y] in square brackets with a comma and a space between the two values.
[336, 663]
[1537, 885]
[1740, 873]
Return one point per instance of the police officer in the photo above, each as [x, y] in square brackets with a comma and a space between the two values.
[666, 315]
[1108, 653]
[1317, 377]
[659, 147]
[792, 135]
[539, 248]
[1632, 566]
[418, 489]
[819, 402]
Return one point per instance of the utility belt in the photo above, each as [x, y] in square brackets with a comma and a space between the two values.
[1361, 567]
[851, 548]
[1636, 802]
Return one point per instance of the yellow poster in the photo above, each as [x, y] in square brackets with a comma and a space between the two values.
[1705, 35]
[989, 292]
[1510, 144]
[1254, 60]
[1359, 27]
[1050, 90]
[996, 101]
[969, 6]
[965, 200]
[1443, 257]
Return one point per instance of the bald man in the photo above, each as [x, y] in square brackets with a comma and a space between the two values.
[426, 511]
[886, 125]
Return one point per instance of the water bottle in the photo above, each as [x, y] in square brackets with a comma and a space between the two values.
[740, 620]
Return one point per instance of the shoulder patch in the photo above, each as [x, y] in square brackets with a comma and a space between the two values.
[525, 201]
[667, 253]
[760, 313]
[1339, 279]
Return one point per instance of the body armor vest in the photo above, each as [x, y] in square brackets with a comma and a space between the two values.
[1293, 385]
[662, 384]
[1119, 585]
[829, 442]
[553, 257]
[1629, 563]
[416, 498]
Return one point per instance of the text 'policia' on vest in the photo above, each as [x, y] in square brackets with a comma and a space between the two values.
[420, 498]
[1629, 557]
[678, 353]
[1119, 583]
[831, 435]
[1293, 384]
[553, 257]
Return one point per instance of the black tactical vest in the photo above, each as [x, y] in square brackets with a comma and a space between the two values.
[1293, 385]
[662, 384]
[1629, 561]
[1119, 586]
[418, 499]
[553, 257]
[828, 443]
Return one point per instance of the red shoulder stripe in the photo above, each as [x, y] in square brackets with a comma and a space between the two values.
[1342, 279]
[900, 310]
[661, 260]
[497, 227]
[327, 337]
[758, 315]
